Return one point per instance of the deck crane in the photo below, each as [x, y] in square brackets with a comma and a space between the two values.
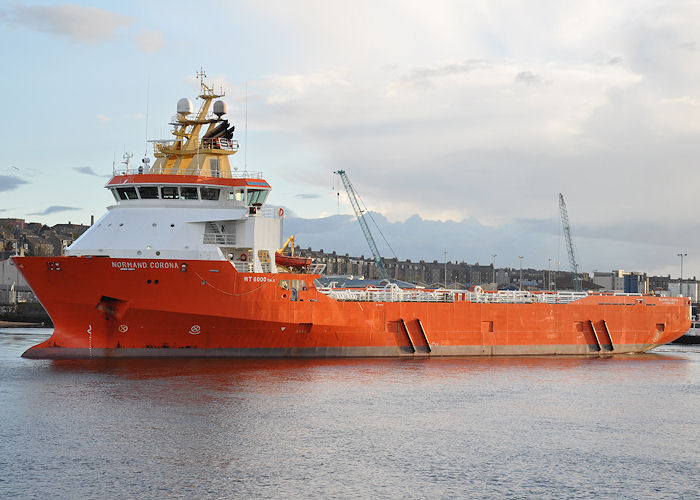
[352, 194]
[575, 276]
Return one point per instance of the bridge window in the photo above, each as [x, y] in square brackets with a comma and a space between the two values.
[210, 193]
[169, 193]
[189, 193]
[128, 193]
[148, 192]
[236, 195]
[256, 196]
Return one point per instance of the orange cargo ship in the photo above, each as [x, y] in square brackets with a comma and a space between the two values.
[187, 263]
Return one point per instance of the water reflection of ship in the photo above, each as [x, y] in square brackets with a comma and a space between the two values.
[273, 374]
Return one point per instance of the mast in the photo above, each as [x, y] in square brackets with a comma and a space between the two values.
[190, 154]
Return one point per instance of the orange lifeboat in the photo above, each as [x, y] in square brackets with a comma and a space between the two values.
[289, 259]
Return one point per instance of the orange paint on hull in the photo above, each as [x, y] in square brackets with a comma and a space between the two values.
[131, 307]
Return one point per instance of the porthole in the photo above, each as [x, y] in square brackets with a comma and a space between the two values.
[172, 225]
[138, 252]
[158, 252]
[154, 224]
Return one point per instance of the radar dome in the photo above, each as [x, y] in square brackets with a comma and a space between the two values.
[184, 106]
[220, 108]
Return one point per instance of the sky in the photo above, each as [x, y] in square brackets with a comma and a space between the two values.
[459, 123]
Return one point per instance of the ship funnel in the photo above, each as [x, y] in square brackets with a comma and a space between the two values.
[184, 106]
[220, 108]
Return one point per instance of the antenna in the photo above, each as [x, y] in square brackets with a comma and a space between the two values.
[245, 149]
[126, 157]
[201, 74]
[148, 95]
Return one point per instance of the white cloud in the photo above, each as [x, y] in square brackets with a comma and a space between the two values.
[103, 118]
[81, 24]
[289, 88]
[489, 109]
[150, 41]
[416, 136]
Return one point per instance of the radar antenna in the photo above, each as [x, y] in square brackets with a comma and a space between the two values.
[575, 276]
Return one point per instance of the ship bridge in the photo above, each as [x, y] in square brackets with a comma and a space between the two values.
[247, 189]
[190, 204]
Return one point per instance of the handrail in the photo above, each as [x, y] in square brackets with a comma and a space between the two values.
[219, 238]
[393, 293]
[235, 174]
[267, 212]
[317, 268]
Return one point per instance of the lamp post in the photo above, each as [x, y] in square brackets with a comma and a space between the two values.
[494, 269]
[549, 274]
[521, 272]
[680, 282]
[445, 268]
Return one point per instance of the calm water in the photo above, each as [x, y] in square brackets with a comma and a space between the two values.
[508, 427]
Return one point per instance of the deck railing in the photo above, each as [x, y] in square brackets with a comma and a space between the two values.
[268, 212]
[219, 238]
[243, 267]
[393, 293]
[232, 174]
[316, 268]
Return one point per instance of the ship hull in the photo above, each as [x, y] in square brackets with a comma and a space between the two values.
[104, 307]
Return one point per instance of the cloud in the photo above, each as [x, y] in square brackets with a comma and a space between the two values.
[478, 116]
[150, 41]
[307, 196]
[424, 77]
[54, 209]
[289, 88]
[103, 118]
[527, 77]
[538, 240]
[10, 182]
[87, 171]
[89, 25]
[475, 142]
